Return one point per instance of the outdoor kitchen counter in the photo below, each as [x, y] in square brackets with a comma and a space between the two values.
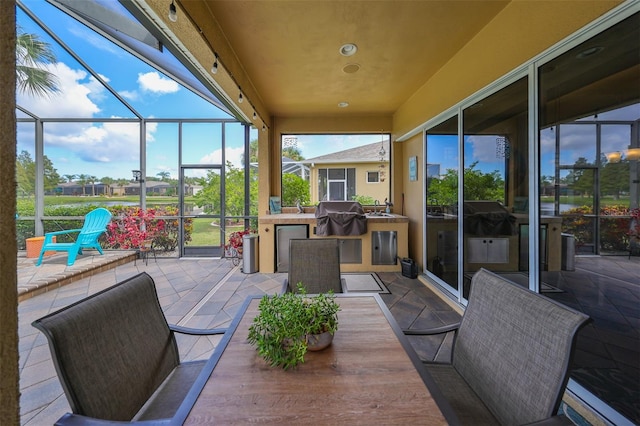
[310, 218]
[394, 223]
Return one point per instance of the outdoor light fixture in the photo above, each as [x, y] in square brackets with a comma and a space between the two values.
[214, 68]
[264, 128]
[173, 15]
[613, 157]
[382, 152]
[240, 98]
[255, 115]
[633, 154]
[137, 175]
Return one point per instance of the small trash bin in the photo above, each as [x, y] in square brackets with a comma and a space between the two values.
[250, 253]
[568, 261]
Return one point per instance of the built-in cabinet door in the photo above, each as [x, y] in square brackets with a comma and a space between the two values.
[285, 233]
[488, 250]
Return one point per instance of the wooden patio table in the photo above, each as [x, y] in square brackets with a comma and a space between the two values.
[369, 375]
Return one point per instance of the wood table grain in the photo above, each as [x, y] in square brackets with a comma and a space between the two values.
[369, 375]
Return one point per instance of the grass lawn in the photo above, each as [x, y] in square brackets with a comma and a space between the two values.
[206, 232]
[587, 201]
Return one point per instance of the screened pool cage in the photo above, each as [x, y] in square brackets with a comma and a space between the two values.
[182, 182]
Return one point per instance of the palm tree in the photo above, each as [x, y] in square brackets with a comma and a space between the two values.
[107, 181]
[121, 184]
[163, 175]
[82, 180]
[32, 55]
[92, 180]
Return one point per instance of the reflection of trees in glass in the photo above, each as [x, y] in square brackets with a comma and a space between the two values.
[547, 186]
[294, 189]
[614, 178]
[580, 179]
[477, 186]
[483, 186]
[26, 174]
[443, 191]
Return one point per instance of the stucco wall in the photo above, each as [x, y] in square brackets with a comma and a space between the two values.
[521, 31]
[412, 193]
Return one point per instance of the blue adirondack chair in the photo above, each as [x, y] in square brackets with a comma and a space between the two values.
[95, 223]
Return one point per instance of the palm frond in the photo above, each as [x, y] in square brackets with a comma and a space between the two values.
[32, 57]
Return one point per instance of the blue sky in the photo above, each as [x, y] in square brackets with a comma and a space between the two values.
[112, 149]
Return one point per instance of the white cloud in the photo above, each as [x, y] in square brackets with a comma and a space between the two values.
[131, 95]
[154, 82]
[77, 88]
[234, 155]
[95, 40]
[97, 92]
[484, 149]
[164, 168]
[102, 143]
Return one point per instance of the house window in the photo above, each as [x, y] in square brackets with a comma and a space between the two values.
[373, 177]
[336, 184]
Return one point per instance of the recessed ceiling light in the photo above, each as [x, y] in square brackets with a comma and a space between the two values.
[351, 68]
[348, 49]
[343, 104]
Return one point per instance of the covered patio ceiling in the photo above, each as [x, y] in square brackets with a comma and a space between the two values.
[291, 49]
[285, 55]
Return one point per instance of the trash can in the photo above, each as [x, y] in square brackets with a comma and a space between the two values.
[250, 253]
[568, 261]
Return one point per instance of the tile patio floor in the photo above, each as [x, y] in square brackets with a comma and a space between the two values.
[203, 293]
[207, 293]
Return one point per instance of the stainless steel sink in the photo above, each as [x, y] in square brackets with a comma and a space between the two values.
[379, 214]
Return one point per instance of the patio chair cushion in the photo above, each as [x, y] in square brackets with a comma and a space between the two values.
[114, 350]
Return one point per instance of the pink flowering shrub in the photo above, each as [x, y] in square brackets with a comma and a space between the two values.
[617, 224]
[235, 242]
[125, 231]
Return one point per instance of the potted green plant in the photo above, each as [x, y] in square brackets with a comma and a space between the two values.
[289, 324]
